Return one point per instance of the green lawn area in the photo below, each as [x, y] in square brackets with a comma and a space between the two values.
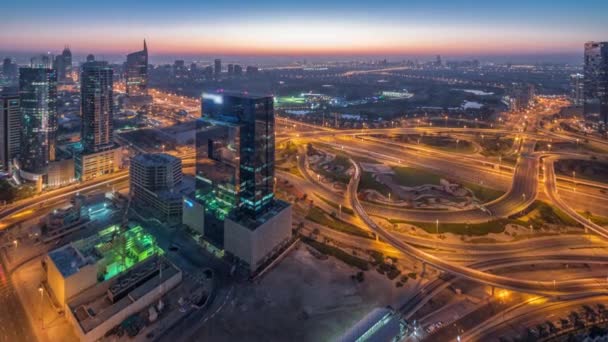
[337, 169]
[496, 226]
[334, 205]
[407, 176]
[317, 215]
[540, 212]
[368, 182]
[495, 146]
[482, 193]
[447, 144]
[337, 253]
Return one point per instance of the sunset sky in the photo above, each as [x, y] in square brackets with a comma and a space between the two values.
[315, 27]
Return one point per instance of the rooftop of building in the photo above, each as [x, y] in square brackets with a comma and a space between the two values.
[371, 325]
[239, 94]
[120, 249]
[178, 191]
[97, 304]
[155, 159]
[253, 223]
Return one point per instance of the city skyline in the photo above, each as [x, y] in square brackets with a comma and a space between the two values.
[271, 28]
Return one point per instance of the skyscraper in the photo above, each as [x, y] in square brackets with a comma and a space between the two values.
[10, 129]
[136, 70]
[596, 81]
[235, 177]
[577, 89]
[10, 71]
[217, 70]
[97, 107]
[99, 154]
[38, 97]
[63, 65]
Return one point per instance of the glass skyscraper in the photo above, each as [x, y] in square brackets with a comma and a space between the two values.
[38, 98]
[235, 157]
[97, 106]
[596, 81]
[136, 71]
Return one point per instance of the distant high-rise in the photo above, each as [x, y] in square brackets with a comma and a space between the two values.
[10, 71]
[596, 81]
[97, 106]
[63, 65]
[136, 71]
[230, 69]
[577, 89]
[10, 129]
[217, 67]
[238, 70]
[38, 100]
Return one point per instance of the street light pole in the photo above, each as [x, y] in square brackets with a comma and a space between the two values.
[41, 290]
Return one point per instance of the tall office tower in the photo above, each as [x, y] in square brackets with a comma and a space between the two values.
[38, 100]
[238, 70]
[99, 154]
[156, 183]
[96, 83]
[596, 81]
[235, 177]
[179, 69]
[217, 70]
[42, 61]
[577, 89]
[10, 129]
[10, 71]
[63, 65]
[230, 69]
[136, 71]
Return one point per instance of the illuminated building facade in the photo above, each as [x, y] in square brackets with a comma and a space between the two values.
[100, 155]
[136, 72]
[157, 184]
[10, 129]
[63, 65]
[235, 177]
[38, 98]
[596, 81]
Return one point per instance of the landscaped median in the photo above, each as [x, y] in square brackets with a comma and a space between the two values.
[315, 214]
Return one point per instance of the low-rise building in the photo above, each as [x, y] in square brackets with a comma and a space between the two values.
[93, 165]
[254, 241]
[84, 263]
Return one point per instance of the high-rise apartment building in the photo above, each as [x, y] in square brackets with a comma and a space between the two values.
[136, 73]
[10, 129]
[157, 184]
[577, 89]
[10, 71]
[63, 65]
[38, 100]
[596, 81]
[217, 69]
[99, 154]
[96, 81]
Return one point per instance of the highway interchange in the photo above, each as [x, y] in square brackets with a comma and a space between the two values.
[531, 178]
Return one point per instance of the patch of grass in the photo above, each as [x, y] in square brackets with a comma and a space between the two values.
[317, 215]
[482, 193]
[369, 182]
[411, 177]
[496, 226]
[601, 220]
[338, 254]
[334, 205]
[337, 169]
